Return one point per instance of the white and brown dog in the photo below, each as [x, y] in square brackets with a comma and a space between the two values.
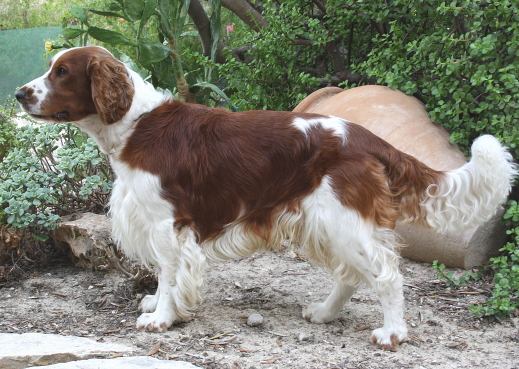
[195, 183]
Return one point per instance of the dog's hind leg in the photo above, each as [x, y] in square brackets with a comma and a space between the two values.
[379, 267]
[189, 276]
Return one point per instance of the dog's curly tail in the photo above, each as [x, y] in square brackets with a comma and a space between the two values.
[470, 195]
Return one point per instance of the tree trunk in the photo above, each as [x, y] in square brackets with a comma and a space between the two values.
[246, 13]
[198, 15]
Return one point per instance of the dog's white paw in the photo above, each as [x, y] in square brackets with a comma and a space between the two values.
[158, 321]
[318, 313]
[149, 303]
[389, 338]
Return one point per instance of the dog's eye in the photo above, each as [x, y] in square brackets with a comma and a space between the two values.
[61, 71]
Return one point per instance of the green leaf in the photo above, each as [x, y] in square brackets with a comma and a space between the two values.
[80, 13]
[149, 9]
[213, 88]
[110, 37]
[69, 33]
[150, 53]
[165, 11]
[107, 13]
[215, 26]
[189, 34]
[134, 8]
[40, 237]
[115, 6]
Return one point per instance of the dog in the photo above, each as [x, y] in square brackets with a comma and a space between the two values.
[196, 184]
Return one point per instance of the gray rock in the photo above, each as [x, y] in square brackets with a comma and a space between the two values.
[136, 362]
[31, 349]
[302, 337]
[255, 320]
[89, 237]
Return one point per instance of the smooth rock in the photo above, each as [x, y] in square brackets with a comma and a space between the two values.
[136, 362]
[403, 121]
[255, 320]
[32, 349]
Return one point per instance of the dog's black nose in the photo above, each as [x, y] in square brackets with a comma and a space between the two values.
[20, 95]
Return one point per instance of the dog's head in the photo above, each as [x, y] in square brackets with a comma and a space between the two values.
[80, 82]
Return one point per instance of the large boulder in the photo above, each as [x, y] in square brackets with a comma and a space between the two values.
[403, 122]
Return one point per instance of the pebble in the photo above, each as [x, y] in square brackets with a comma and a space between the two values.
[255, 320]
[301, 337]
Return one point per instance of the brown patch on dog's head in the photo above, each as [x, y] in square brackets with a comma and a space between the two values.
[80, 82]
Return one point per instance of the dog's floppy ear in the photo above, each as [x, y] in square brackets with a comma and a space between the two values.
[112, 89]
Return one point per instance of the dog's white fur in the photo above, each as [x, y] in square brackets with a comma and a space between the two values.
[329, 233]
[468, 196]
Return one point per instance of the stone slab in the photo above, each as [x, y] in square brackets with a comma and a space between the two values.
[403, 121]
[19, 351]
[136, 362]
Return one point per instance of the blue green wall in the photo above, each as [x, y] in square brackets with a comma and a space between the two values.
[23, 56]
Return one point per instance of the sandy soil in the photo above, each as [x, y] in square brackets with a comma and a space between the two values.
[443, 334]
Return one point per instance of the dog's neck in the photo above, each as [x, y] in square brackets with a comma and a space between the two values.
[111, 138]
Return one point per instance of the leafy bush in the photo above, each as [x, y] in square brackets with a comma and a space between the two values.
[460, 58]
[17, 14]
[463, 63]
[7, 130]
[505, 294]
[278, 59]
[453, 280]
[49, 171]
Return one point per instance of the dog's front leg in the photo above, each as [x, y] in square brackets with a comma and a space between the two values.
[178, 292]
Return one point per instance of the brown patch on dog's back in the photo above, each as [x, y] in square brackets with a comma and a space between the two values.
[217, 167]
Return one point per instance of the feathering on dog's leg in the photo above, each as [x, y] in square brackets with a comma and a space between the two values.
[189, 276]
[381, 270]
[391, 297]
[179, 286]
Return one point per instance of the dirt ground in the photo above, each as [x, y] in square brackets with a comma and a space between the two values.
[443, 334]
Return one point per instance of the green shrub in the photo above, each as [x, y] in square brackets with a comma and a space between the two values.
[7, 130]
[468, 76]
[276, 74]
[51, 170]
[505, 294]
